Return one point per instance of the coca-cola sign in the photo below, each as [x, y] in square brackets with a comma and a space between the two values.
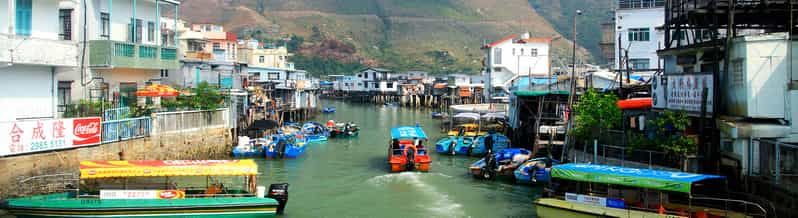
[29, 136]
[87, 131]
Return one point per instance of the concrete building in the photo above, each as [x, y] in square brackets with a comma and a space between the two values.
[637, 23]
[513, 56]
[379, 80]
[125, 49]
[38, 55]
[208, 54]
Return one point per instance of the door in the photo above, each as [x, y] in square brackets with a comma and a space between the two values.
[127, 94]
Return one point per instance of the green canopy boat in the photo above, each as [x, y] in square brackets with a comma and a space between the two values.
[150, 189]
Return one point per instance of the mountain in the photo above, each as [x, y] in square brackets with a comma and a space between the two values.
[439, 36]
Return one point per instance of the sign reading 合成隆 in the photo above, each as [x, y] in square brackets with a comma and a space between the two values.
[20, 137]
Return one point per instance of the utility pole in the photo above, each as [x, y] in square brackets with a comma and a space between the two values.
[571, 94]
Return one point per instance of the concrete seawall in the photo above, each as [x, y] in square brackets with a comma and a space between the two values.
[213, 143]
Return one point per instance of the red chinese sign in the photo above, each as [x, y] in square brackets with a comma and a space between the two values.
[19, 137]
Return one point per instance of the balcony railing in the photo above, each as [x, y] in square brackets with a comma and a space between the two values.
[198, 55]
[111, 54]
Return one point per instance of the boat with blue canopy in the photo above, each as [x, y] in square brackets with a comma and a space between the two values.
[284, 146]
[589, 190]
[500, 141]
[406, 151]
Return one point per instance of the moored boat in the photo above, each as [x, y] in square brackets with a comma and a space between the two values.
[249, 147]
[501, 163]
[610, 191]
[453, 145]
[328, 110]
[535, 170]
[406, 151]
[150, 189]
[314, 132]
[284, 146]
[348, 129]
[439, 115]
[499, 142]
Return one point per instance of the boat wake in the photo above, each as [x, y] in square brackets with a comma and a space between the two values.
[442, 204]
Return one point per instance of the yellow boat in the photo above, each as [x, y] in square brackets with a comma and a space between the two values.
[589, 190]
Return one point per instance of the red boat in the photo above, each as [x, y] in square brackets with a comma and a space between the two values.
[407, 152]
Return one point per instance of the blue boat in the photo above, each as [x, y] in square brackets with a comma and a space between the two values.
[314, 132]
[249, 148]
[455, 145]
[506, 161]
[535, 171]
[439, 115]
[328, 110]
[284, 146]
[499, 142]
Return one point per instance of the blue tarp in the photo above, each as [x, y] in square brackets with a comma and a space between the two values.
[408, 132]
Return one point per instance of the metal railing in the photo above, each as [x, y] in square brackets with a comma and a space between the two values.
[126, 129]
[774, 160]
[183, 121]
[624, 156]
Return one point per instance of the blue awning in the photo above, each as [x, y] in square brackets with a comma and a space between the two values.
[408, 132]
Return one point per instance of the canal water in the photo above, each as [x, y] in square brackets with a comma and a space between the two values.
[350, 177]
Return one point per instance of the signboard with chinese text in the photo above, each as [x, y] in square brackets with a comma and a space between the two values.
[20, 137]
[586, 199]
[685, 92]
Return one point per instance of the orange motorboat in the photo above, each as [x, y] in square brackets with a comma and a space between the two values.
[407, 151]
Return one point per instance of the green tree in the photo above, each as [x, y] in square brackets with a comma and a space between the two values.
[595, 112]
[670, 133]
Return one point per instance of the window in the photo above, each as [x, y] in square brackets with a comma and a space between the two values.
[679, 35]
[639, 34]
[390, 85]
[522, 52]
[217, 46]
[359, 75]
[497, 55]
[261, 59]
[135, 30]
[23, 18]
[639, 63]
[376, 85]
[64, 95]
[164, 73]
[274, 76]
[105, 25]
[626, 4]
[366, 75]
[533, 52]
[151, 31]
[65, 24]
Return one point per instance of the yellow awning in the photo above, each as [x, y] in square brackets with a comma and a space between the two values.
[158, 168]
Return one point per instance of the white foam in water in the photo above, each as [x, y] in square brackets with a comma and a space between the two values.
[442, 205]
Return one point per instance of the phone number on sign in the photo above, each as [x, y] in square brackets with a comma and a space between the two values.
[45, 145]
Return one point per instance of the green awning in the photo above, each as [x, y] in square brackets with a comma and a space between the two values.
[641, 178]
[536, 93]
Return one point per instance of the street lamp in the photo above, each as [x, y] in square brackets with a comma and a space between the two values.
[568, 139]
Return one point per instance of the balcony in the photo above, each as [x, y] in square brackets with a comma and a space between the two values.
[26, 50]
[114, 54]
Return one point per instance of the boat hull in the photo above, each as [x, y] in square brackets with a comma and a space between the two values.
[190, 207]
[399, 164]
[550, 207]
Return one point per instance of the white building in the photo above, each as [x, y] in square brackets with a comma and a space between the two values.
[378, 80]
[38, 55]
[513, 56]
[636, 23]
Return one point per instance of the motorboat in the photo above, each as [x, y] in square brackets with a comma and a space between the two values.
[327, 110]
[501, 163]
[455, 145]
[465, 124]
[535, 170]
[439, 115]
[500, 141]
[223, 188]
[314, 132]
[284, 146]
[249, 147]
[406, 150]
[341, 130]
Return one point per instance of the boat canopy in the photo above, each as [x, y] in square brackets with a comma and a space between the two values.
[641, 178]
[408, 132]
[162, 168]
[473, 116]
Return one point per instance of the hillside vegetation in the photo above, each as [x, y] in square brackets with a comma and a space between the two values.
[440, 36]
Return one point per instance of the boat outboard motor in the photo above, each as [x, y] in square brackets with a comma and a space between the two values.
[411, 159]
[279, 192]
[281, 148]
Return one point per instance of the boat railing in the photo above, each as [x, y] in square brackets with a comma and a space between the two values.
[745, 204]
[48, 184]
